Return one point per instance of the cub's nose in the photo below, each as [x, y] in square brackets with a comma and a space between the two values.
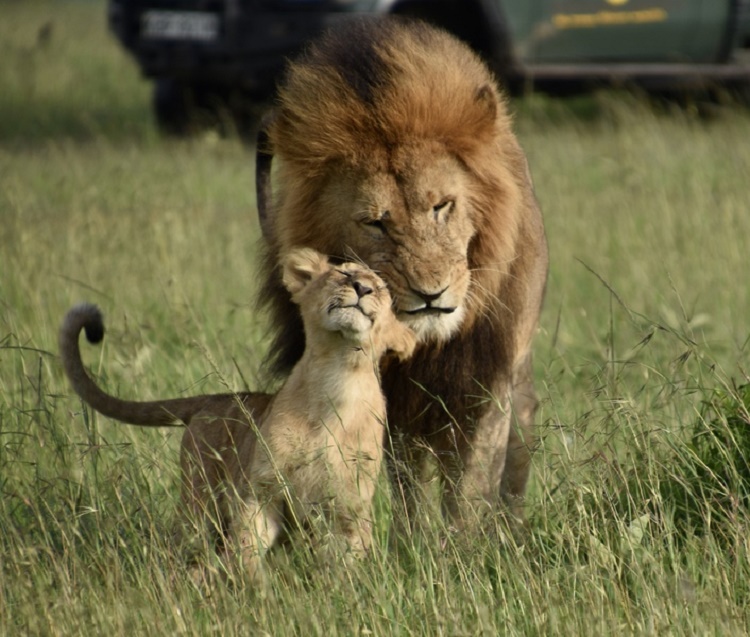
[361, 290]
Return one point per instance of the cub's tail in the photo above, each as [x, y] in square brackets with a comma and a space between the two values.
[158, 413]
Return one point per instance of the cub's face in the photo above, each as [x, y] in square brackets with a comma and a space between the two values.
[347, 299]
[351, 299]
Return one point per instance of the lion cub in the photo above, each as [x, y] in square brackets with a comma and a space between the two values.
[252, 462]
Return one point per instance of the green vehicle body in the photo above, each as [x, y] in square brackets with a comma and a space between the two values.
[635, 31]
[658, 42]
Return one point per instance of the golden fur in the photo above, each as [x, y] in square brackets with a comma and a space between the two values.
[394, 147]
[252, 461]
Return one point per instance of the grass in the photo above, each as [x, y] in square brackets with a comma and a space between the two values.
[640, 359]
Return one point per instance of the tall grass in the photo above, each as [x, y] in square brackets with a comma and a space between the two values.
[643, 347]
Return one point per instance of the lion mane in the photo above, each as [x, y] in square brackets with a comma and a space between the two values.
[393, 144]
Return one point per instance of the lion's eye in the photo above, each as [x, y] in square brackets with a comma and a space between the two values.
[379, 223]
[444, 206]
[376, 223]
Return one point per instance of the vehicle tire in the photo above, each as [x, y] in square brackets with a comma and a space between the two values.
[182, 108]
[174, 106]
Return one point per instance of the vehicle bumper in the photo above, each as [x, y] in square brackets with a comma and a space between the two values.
[654, 75]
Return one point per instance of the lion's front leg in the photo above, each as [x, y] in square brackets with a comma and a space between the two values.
[521, 441]
[407, 457]
[472, 464]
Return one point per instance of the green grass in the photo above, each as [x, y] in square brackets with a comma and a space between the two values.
[646, 321]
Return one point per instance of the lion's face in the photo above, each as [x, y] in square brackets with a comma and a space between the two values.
[410, 221]
[378, 162]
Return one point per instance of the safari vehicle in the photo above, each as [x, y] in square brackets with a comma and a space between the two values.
[204, 53]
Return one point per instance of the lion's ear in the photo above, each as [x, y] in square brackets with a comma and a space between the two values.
[301, 266]
[486, 106]
[401, 341]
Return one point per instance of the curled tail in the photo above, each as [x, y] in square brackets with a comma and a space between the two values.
[158, 413]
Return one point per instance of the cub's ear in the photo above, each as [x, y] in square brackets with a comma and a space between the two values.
[301, 266]
[401, 340]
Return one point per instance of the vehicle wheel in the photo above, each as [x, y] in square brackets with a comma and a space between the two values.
[174, 106]
[182, 108]
[742, 94]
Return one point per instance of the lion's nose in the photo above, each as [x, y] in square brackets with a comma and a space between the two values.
[361, 290]
[429, 298]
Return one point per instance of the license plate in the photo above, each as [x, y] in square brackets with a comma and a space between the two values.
[180, 25]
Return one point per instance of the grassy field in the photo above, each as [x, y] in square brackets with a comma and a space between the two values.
[634, 527]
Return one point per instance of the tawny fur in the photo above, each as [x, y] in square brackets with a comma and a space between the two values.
[250, 462]
[394, 147]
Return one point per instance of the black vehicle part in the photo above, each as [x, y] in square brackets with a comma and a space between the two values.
[479, 23]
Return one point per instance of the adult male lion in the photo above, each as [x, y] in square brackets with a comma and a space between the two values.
[395, 147]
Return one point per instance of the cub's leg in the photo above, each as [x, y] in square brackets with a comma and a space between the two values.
[213, 456]
[354, 527]
[342, 535]
[254, 529]
[203, 515]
